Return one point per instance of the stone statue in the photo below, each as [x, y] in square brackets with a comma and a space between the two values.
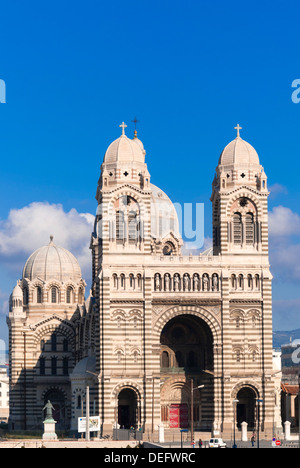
[49, 410]
[157, 283]
[205, 281]
[215, 283]
[196, 283]
[186, 282]
[168, 282]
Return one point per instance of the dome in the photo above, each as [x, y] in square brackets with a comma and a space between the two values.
[17, 293]
[139, 142]
[164, 216]
[85, 366]
[52, 262]
[239, 152]
[124, 150]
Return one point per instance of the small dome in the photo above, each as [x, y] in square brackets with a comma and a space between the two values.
[17, 293]
[124, 150]
[239, 152]
[52, 262]
[84, 367]
[139, 142]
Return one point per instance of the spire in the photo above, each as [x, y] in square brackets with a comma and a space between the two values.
[51, 240]
[238, 128]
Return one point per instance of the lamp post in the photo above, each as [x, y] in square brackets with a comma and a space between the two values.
[258, 420]
[235, 402]
[192, 408]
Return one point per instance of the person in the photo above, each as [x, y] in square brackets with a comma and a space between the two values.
[200, 443]
[193, 444]
[253, 439]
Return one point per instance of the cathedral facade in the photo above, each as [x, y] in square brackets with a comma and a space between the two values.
[163, 337]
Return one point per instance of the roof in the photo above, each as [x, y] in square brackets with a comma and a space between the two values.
[290, 389]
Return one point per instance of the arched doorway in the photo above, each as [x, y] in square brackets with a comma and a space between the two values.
[245, 411]
[127, 409]
[186, 351]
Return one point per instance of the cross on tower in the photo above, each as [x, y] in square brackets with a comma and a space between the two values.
[123, 126]
[135, 121]
[238, 128]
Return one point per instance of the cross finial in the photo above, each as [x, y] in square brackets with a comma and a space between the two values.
[135, 121]
[123, 126]
[238, 128]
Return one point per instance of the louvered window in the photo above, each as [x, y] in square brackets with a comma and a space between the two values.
[237, 229]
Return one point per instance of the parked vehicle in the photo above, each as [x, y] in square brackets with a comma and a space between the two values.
[217, 443]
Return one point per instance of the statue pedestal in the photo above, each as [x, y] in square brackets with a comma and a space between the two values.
[49, 430]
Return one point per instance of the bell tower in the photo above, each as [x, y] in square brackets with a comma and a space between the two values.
[240, 201]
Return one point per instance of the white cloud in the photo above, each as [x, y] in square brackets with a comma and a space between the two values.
[29, 228]
[277, 189]
[283, 222]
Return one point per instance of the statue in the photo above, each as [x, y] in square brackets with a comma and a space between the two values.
[205, 282]
[49, 410]
[157, 283]
[49, 423]
[186, 282]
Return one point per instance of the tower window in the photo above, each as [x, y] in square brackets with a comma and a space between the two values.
[250, 231]
[237, 229]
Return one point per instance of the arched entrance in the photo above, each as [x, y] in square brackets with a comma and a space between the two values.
[127, 409]
[246, 407]
[186, 351]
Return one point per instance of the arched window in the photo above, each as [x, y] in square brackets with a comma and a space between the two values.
[54, 366]
[165, 359]
[241, 282]
[39, 295]
[120, 227]
[115, 281]
[132, 227]
[250, 229]
[237, 229]
[42, 366]
[233, 282]
[80, 296]
[69, 295]
[122, 281]
[250, 282]
[25, 296]
[79, 402]
[131, 281]
[65, 366]
[54, 295]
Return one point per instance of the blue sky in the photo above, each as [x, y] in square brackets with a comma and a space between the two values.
[190, 71]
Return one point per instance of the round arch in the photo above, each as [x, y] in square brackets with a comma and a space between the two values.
[203, 314]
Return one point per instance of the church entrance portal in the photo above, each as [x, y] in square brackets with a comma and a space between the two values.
[127, 409]
[246, 407]
[186, 351]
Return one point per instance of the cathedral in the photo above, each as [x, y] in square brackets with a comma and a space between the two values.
[162, 338]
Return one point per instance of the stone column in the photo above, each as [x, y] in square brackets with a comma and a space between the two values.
[287, 430]
[244, 432]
